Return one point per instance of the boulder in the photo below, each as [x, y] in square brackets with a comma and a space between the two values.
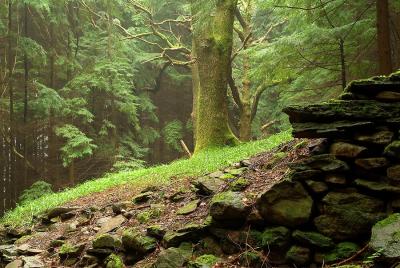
[208, 186]
[344, 149]
[385, 237]
[381, 187]
[209, 245]
[174, 257]
[107, 241]
[298, 255]
[229, 207]
[336, 179]
[68, 251]
[58, 211]
[286, 203]
[174, 239]
[348, 214]
[110, 224]
[134, 240]
[372, 163]
[15, 264]
[313, 239]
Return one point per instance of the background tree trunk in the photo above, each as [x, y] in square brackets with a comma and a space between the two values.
[384, 47]
[213, 38]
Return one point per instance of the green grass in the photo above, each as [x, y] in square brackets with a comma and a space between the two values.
[200, 164]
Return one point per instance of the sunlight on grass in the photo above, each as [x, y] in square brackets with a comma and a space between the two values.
[202, 163]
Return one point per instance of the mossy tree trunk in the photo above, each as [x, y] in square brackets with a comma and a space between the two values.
[213, 41]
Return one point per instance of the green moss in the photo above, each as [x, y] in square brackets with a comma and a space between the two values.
[239, 185]
[274, 238]
[114, 261]
[389, 220]
[204, 261]
[188, 208]
[106, 241]
[154, 212]
[133, 239]
[227, 176]
[342, 251]
[68, 249]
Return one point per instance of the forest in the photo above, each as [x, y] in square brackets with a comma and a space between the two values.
[126, 90]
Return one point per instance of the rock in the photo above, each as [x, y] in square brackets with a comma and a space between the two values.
[336, 179]
[275, 238]
[26, 249]
[385, 237]
[174, 239]
[204, 261]
[209, 245]
[134, 240]
[142, 198]
[313, 239]
[216, 174]
[298, 255]
[322, 162]
[68, 251]
[119, 208]
[156, 231]
[305, 175]
[8, 250]
[177, 196]
[114, 261]
[317, 187]
[343, 149]
[360, 110]
[111, 223]
[229, 207]
[393, 149]
[239, 185]
[100, 252]
[383, 137]
[388, 96]
[323, 130]
[15, 264]
[348, 214]
[32, 262]
[378, 186]
[372, 163]
[232, 241]
[58, 211]
[89, 260]
[252, 259]
[255, 219]
[342, 251]
[107, 241]
[286, 203]
[245, 163]
[208, 186]
[393, 174]
[174, 257]
[188, 208]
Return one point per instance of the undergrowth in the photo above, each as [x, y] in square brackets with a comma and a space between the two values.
[200, 164]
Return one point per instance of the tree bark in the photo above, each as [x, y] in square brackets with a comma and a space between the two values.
[245, 115]
[384, 44]
[213, 39]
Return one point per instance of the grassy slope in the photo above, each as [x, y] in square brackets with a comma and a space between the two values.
[200, 164]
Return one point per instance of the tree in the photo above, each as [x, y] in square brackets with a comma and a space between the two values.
[384, 42]
[212, 42]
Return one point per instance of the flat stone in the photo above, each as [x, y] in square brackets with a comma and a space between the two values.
[107, 241]
[313, 239]
[134, 240]
[286, 203]
[383, 137]
[372, 163]
[378, 186]
[336, 179]
[142, 198]
[111, 224]
[342, 251]
[173, 257]
[343, 149]
[26, 249]
[189, 208]
[317, 187]
[58, 211]
[385, 237]
[298, 255]
[393, 149]
[388, 96]
[32, 262]
[15, 264]
[174, 239]
[208, 186]
[323, 130]
[324, 162]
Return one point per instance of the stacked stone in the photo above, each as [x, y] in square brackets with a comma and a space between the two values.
[333, 198]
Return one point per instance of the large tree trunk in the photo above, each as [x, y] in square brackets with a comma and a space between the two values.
[384, 47]
[213, 38]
